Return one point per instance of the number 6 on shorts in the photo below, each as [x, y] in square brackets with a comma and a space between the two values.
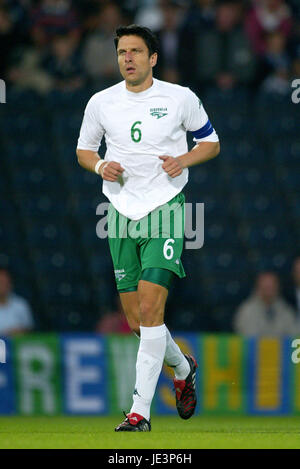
[168, 250]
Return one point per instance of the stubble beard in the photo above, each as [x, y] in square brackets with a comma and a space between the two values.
[139, 80]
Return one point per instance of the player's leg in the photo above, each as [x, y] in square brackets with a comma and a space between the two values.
[149, 304]
[160, 258]
[152, 351]
[127, 269]
[150, 357]
[161, 252]
[173, 356]
[146, 307]
[131, 308]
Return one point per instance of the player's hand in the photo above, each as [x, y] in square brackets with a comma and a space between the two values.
[111, 171]
[171, 165]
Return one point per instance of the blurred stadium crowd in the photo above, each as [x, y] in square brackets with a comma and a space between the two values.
[240, 57]
[67, 44]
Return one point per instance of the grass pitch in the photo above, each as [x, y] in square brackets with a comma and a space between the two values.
[167, 433]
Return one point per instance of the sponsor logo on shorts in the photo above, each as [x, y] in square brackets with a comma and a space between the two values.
[120, 274]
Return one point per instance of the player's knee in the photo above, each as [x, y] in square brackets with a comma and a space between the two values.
[150, 314]
[133, 322]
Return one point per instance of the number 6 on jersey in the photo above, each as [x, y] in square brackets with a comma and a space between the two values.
[134, 131]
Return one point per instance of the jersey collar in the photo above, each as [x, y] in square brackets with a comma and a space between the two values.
[142, 94]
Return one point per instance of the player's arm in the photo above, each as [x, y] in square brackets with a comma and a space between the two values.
[195, 120]
[87, 159]
[200, 153]
[90, 137]
[90, 160]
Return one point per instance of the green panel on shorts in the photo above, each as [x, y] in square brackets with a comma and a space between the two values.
[161, 277]
[155, 241]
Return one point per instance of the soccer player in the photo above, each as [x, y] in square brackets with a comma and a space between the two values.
[145, 121]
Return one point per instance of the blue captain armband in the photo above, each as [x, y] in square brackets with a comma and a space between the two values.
[205, 131]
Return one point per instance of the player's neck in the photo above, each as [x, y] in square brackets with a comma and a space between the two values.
[141, 87]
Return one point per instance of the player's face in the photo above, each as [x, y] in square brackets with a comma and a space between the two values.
[134, 61]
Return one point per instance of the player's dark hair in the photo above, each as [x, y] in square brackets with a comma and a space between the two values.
[141, 31]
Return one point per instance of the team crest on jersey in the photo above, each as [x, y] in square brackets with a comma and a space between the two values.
[158, 112]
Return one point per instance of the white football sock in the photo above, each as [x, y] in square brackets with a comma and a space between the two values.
[175, 358]
[149, 362]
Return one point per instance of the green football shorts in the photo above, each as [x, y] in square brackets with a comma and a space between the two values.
[153, 242]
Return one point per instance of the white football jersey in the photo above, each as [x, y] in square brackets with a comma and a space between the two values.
[138, 128]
